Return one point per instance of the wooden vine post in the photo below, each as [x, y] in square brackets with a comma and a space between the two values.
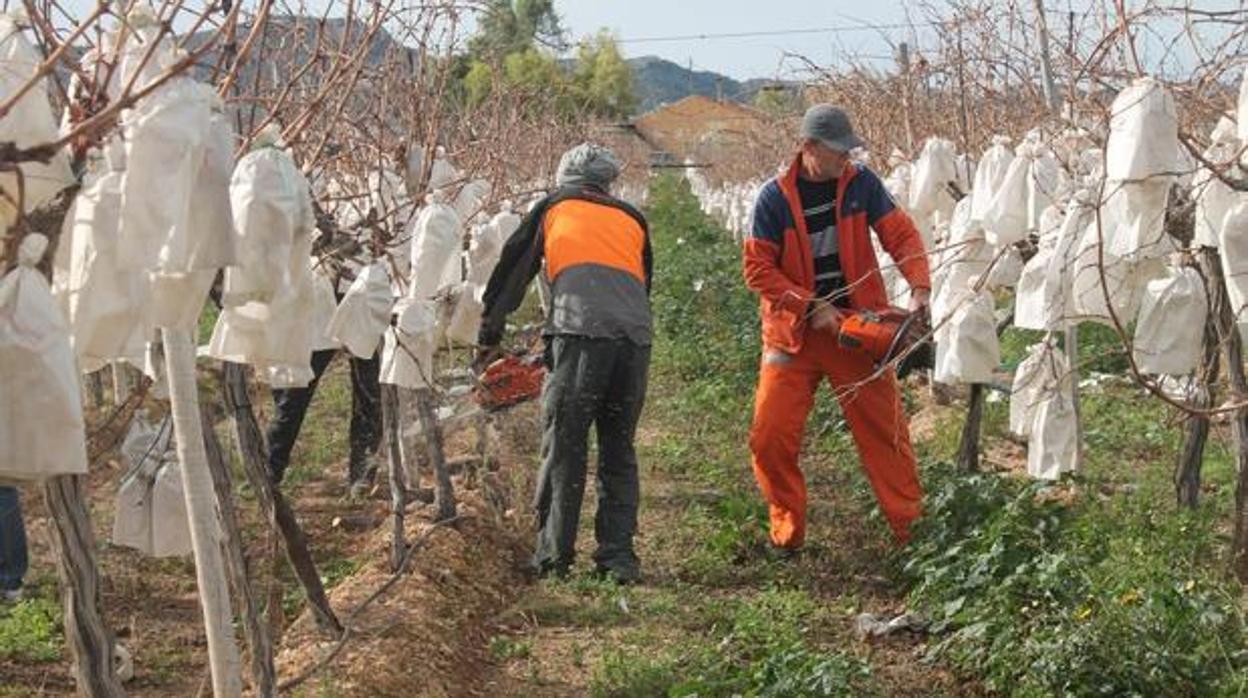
[273, 504]
[263, 673]
[89, 639]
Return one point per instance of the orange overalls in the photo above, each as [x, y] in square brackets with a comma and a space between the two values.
[779, 266]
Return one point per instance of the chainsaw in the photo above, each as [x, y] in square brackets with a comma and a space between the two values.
[509, 381]
[889, 334]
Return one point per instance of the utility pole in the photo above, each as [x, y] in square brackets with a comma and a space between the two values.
[903, 60]
[1046, 65]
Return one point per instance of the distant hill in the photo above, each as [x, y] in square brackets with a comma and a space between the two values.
[658, 81]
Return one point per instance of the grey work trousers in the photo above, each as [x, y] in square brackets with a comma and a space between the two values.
[598, 382]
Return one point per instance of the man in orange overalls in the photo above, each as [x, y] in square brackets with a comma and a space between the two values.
[810, 259]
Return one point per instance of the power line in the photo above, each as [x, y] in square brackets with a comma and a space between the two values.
[778, 32]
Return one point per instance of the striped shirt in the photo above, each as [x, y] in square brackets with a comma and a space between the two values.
[819, 209]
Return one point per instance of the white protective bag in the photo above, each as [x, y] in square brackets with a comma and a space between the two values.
[407, 355]
[1007, 270]
[1213, 197]
[1242, 113]
[968, 351]
[1088, 297]
[364, 313]
[1171, 326]
[1054, 443]
[1139, 213]
[929, 188]
[42, 433]
[272, 211]
[1030, 305]
[1005, 220]
[1143, 133]
[269, 318]
[466, 318]
[471, 198]
[175, 195]
[323, 306]
[30, 122]
[437, 241]
[1036, 377]
[989, 176]
[1233, 249]
[103, 303]
[150, 513]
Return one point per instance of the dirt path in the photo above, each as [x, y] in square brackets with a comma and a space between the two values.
[706, 564]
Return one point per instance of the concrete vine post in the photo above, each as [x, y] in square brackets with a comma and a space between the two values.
[201, 511]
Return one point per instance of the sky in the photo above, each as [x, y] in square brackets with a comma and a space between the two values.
[825, 31]
[635, 22]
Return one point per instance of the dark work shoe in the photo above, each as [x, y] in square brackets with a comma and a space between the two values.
[624, 576]
[776, 553]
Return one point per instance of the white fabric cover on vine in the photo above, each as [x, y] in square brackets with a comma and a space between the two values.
[1088, 295]
[269, 298]
[104, 304]
[1233, 249]
[1059, 294]
[1030, 309]
[176, 299]
[1035, 378]
[1171, 326]
[323, 306]
[175, 215]
[968, 350]
[150, 513]
[1054, 443]
[29, 122]
[471, 198]
[1213, 197]
[407, 356]
[466, 318]
[1007, 270]
[989, 176]
[1005, 219]
[1140, 215]
[1143, 133]
[1242, 114]
[364, 313]
[41, 426]
[929, 186]
[437, 241]
[272, 217]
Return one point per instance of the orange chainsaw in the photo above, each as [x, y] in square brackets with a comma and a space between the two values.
[887, 335]
[510, 381]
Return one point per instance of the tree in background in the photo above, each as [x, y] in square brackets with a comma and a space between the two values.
[515, 26]
[602, 78]
[515, 52]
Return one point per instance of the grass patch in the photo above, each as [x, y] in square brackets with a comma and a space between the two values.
[31, 631]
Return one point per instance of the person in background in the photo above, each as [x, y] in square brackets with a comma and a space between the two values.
[598, 331]
[809, 258]
[13, 556]
[291, 404]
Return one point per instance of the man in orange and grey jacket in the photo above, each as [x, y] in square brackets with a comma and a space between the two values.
[598, 331]
[810, 259]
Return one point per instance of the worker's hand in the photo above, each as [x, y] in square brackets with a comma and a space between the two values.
[485, 356]
[920, 298]
[825, 317]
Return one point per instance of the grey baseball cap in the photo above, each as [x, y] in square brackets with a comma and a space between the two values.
[830, 126]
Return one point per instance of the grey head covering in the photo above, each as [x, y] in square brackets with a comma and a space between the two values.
[830, 125]
[590, 164]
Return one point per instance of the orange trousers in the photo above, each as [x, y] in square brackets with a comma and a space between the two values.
[873, 410]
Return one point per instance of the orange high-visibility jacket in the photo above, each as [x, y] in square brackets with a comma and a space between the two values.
[779, 265]
[598, 262]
